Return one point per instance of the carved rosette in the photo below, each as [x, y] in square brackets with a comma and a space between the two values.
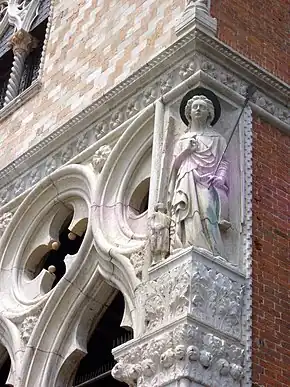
[186, 351]
[100, 157]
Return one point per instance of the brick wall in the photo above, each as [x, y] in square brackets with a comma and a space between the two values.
[271, 262]
[258, 29]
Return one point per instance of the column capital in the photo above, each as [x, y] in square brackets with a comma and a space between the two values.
[23, 42]
[192, 307]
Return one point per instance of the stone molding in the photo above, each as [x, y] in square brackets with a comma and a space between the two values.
[247, 246]
[153, 80]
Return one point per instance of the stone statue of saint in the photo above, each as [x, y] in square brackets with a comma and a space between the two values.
[198, 186]
[159, 225]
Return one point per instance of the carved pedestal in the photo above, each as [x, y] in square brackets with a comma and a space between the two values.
[192, 311]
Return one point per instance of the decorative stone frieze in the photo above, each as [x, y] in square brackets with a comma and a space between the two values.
[51, 166]
[188, 69]
[166, 297]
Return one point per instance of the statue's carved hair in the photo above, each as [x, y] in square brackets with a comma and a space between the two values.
[211, 112]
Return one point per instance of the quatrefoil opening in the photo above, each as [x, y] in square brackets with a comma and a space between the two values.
[61, 238]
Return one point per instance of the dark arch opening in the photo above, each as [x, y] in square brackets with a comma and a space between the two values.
[5, 365]
[140, 197]
[95, 368]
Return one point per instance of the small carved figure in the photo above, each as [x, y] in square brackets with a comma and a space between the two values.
[198, 184]
[159, 225]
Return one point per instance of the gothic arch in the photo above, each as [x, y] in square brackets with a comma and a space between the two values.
[10, 340]
[55, 311]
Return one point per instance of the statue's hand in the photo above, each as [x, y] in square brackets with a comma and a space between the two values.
[216, 181]
[192, 145]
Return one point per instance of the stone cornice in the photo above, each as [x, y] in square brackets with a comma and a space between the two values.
[273, 92]
[242, 66]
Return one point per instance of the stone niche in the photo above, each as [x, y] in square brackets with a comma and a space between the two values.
[191, 299]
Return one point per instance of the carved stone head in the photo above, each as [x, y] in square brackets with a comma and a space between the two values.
[223, 367]
[192, 353]
[205, 358]
[180, 352]
[199, 108]
[148, 367]
[167, 358]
